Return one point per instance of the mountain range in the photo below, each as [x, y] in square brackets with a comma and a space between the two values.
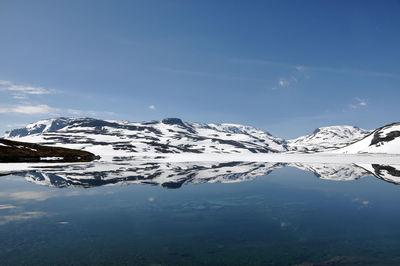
[172, 135]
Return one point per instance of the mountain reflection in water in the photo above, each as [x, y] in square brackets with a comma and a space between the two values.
[289, 217]
[174, 175]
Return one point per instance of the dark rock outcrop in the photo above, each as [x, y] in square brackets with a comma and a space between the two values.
[15, 151]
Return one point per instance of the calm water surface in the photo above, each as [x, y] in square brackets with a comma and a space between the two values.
[288, 217]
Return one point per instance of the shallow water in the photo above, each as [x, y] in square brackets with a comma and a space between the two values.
[287, 217]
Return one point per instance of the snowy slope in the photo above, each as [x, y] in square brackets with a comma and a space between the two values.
[327, 138]
[385, 140]
[171, 135]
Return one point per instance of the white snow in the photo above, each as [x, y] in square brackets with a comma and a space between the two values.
[107, 161]
[212, 138]
[328, 138]
[285, 157]
[365, 146]
[215, 142]
[51, 158]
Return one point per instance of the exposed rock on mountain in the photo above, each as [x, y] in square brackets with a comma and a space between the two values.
[171, 135]
[385, 140]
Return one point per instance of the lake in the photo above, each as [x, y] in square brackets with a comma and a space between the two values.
[201, 214]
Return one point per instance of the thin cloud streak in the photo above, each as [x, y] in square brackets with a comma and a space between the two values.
[16, 125]
[317, 68]
[77, 112]
[29, 109]
[74, 112]
[207, 74]
[22, 89]
[7, 206]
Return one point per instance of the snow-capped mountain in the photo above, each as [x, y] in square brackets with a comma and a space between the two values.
[382, 140]
[109, 138]
[171, 135]
[327, 138]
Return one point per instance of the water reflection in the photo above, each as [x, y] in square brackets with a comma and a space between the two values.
[174, 175]
[288, 218]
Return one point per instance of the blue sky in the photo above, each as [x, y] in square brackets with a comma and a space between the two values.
[283, 66]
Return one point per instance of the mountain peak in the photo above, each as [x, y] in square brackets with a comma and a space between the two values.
[173, 121]
[328, 138]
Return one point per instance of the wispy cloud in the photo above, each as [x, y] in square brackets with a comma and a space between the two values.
[283, 82]
[41, 109]
[77, 112]
[152, 107]
[29, 109]
[23, 89]
[7, 206]
[16, 125]
[20, 96]
[74, 112]
[261, 62]
[359, 103]
[317, 68]
[297, 74]
[110, 113]
[208, 74]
